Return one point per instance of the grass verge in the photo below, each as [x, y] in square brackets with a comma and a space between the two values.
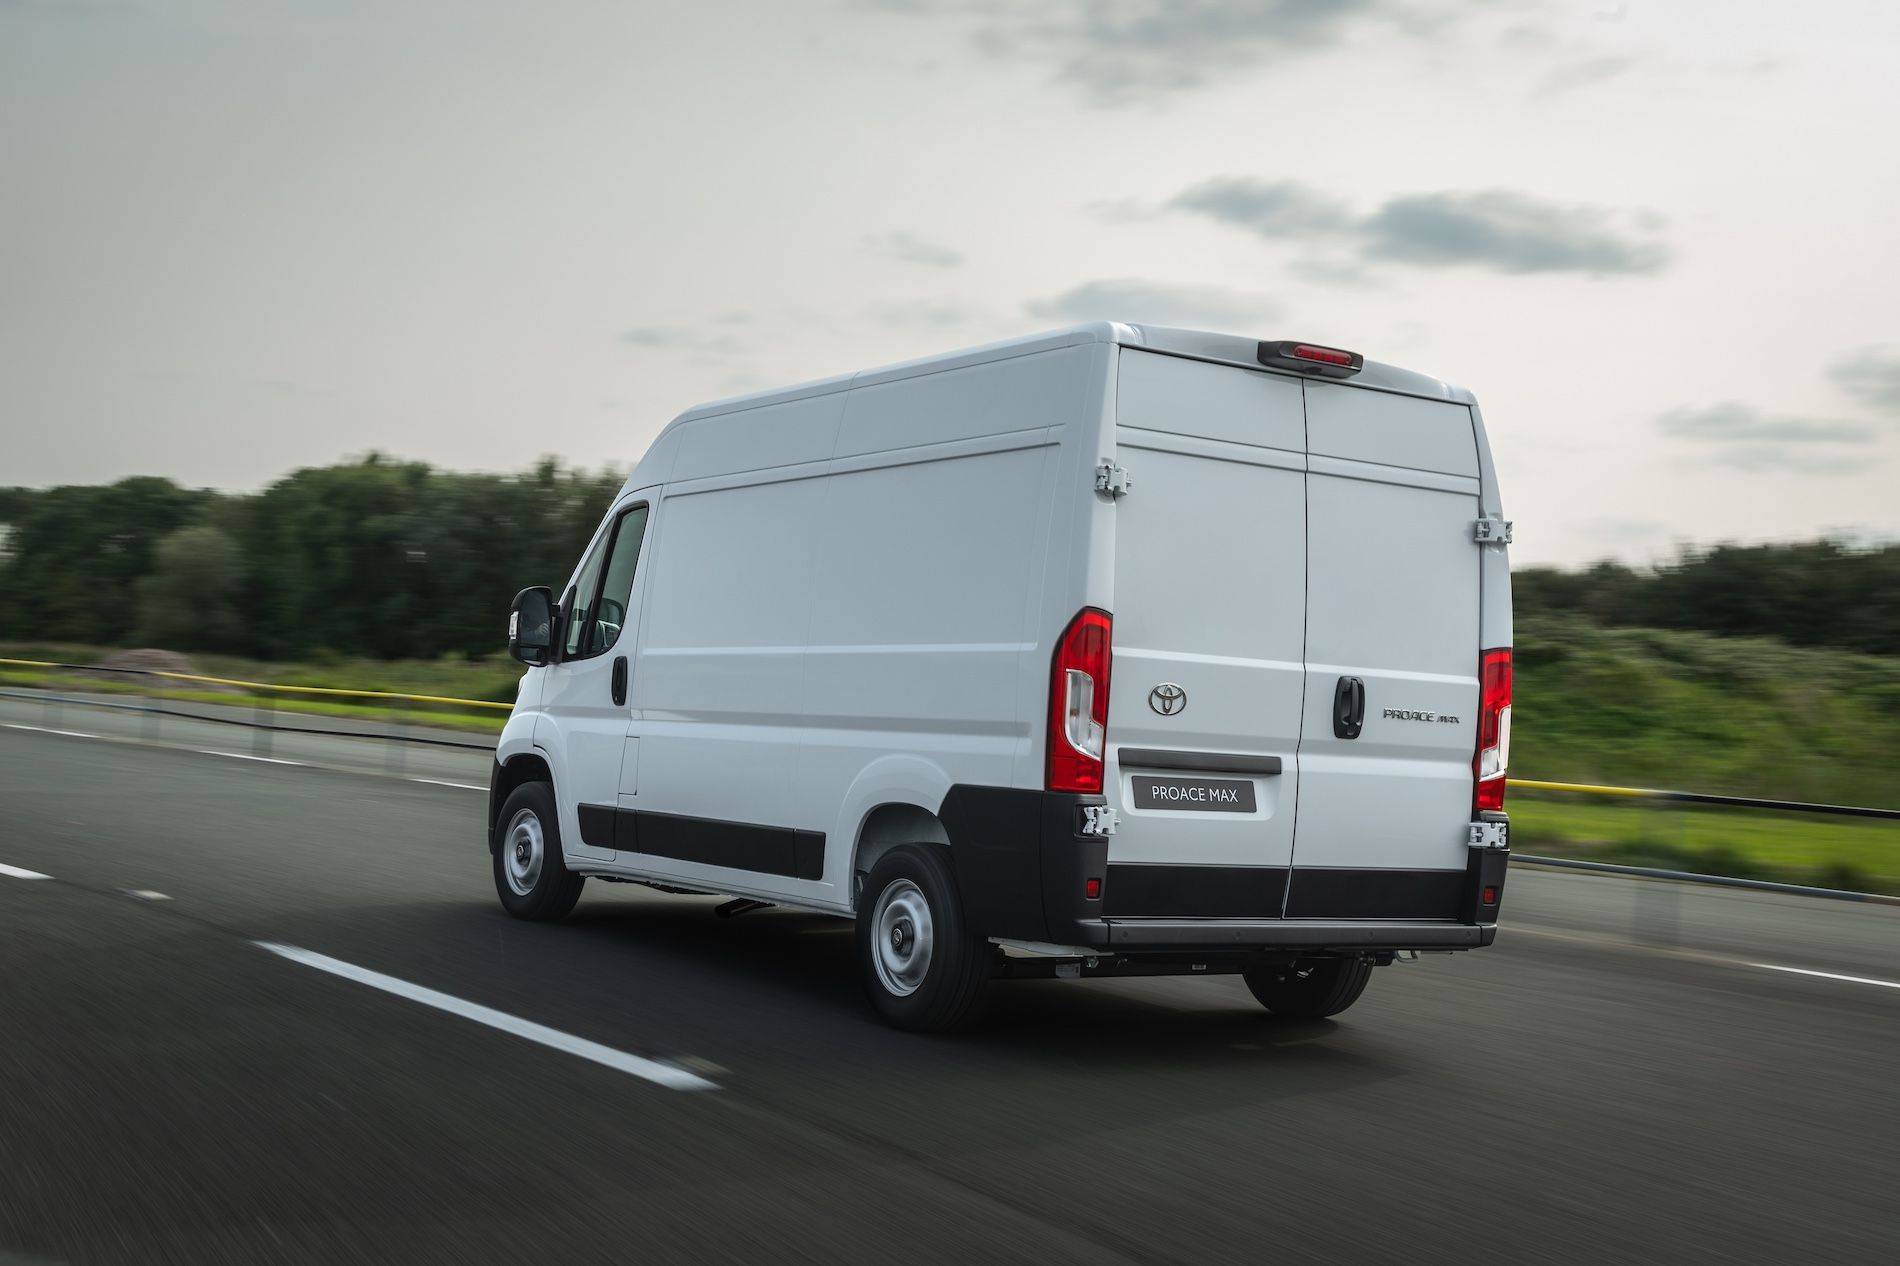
[1856, 854]
[492, 680]
[1619, 706]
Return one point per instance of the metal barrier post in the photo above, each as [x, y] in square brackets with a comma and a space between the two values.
[392, 742]
[263, 719]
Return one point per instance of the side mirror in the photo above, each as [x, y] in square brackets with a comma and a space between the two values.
[531, 626]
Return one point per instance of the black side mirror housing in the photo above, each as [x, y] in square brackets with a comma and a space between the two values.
[531, 626]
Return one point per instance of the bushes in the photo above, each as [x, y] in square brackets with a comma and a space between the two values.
[1813, 593]
[1747, 716]
[389, 560]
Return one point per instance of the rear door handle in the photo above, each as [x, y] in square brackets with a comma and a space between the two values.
[1349, 708]
[620, 681]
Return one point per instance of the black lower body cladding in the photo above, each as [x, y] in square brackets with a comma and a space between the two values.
[1346, 892]
[1194, 892]
[1023, 863]
[768, 850]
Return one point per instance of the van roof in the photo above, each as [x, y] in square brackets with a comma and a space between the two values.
[1226, 349]
[1230, 349]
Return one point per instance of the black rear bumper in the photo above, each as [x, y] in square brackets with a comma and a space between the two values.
[1023, 865]
[1306, 934]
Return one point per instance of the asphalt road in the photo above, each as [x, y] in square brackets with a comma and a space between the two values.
[1618, 1079]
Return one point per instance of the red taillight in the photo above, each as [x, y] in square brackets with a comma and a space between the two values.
[1310, 358]
[1092, 889]
[1494, 729]
[1078, 704]
[1324, 355]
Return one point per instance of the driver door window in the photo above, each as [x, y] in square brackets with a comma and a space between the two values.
[598, 606]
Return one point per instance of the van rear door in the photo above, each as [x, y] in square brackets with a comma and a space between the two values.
[1392, 631]
[1209, 608]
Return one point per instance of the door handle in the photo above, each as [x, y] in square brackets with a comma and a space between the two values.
[620, 680]
[1349, 708]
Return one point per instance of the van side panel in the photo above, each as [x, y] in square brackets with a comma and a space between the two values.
[931, 539]
[1021, 393]
[717, 687]
[779, 435]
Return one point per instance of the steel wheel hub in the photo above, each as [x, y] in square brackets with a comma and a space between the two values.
[526, 852]
[903, 935]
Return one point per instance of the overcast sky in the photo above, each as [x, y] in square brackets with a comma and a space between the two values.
[1661, 241]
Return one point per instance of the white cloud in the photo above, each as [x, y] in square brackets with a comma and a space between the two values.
[1733, 423]
[1127, 52]
[1499, 229]
[1871, 376]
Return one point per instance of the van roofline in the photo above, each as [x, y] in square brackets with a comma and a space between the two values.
[1004, 349]
[1226, 349]
[1243, 350]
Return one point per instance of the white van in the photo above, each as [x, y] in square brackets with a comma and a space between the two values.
[1116, 650]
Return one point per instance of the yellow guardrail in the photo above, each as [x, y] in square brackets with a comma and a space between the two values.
[1588, 789]
[332, 691]
[1524, 784]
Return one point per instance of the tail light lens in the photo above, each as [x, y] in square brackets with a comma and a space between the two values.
[1494, 729]
[1078, 704]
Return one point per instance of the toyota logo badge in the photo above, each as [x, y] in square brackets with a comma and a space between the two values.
[1167, 698]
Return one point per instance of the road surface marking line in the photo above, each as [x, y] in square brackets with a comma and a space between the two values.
[1828, 975]
[146, 894]
[437, 782]
[652, 1070]
[41, 729]
[16, 873]
[268, 760]
[1700, 956]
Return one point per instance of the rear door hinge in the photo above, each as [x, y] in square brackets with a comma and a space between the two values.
[1112, 479]
[1489, 835]
[1489, 531]
[1099, 819]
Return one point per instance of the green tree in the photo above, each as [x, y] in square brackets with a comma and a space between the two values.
[75, 555]
[188, 600]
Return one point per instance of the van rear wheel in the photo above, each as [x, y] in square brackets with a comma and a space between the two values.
[1311, 988]
[923, 969]
[531, 879]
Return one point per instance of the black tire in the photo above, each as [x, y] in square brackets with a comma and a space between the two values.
[950, 981]
[1310, 989]
[527, 891]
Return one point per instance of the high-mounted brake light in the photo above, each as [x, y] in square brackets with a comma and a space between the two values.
[1494, 729]
[1078, 704]
[1309, 358]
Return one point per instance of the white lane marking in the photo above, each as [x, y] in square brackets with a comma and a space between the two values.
[206, 751]
[146, 894]
[41, 729]
[16, 873]
[268, 760]
[668, 1075]
[1700, 956]
[1828, 975]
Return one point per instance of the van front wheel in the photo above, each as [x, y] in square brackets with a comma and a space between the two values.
[530, 877]
[1311, 988]
[923, 969]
